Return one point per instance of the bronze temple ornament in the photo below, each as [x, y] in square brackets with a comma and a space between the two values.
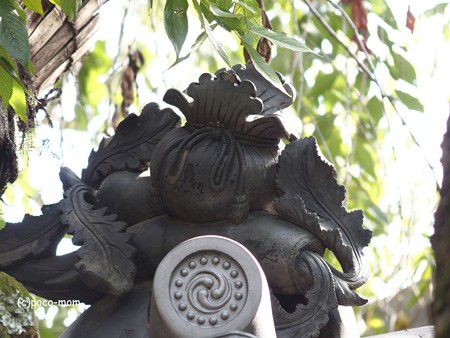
[228, 231]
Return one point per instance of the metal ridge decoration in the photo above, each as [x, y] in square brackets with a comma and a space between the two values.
[220, 174]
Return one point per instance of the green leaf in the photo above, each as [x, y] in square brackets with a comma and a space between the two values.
[262, 66]
[364, 156]
[31, 68]
[7, 66]
[176, 22]
[81, 120]
[11, 5]
[6, 86]
[249, 9]
[34, 5]
[217, 45]
[12, 71]
[282, 40]
[18, 101]
[410, 101]
[13, 34]
[218, 12]
[438, 9]
[91, 88]
[198, 42]
[8, 59]
[323, 82]
[69, 7]
[375, 107]
[244, 4]
[402, 69]
[205, 24]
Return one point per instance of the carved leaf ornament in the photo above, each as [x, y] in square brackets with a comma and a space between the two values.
[34, 237]
[309, 185]
[105, 256]
[131, 146]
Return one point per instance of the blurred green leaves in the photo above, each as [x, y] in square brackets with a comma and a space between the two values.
[92, 86]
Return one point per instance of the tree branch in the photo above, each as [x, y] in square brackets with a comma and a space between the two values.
[440, 308]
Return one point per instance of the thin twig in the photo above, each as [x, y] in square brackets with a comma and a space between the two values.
[114, 64]
[333, 33]
[298, 62]
[356, 33]
[370, 74]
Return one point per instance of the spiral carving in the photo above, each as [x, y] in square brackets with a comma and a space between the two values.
[208, 289]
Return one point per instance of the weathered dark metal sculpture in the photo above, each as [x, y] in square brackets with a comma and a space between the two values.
[220, 174]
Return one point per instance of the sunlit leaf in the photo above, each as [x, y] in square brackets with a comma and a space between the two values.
[246, 5]
[402, 69]
[207, 27]
[410, 101]
[365, 157]
[91, 86]
[218, 12]
[18, 101]
[34, 5]
[217, 45]
[31, 68]
[375, 107]
[438, 9]
[282, 40]
[6, 86]
[322, 82]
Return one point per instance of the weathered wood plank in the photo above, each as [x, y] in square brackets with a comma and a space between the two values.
[70, 53]
[49, 29]
[46, 29]
[54, 41]
[33, 19]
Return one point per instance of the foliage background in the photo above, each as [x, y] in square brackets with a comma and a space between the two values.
[386, 153]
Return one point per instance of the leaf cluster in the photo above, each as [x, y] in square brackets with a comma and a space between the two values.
[241, 17]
